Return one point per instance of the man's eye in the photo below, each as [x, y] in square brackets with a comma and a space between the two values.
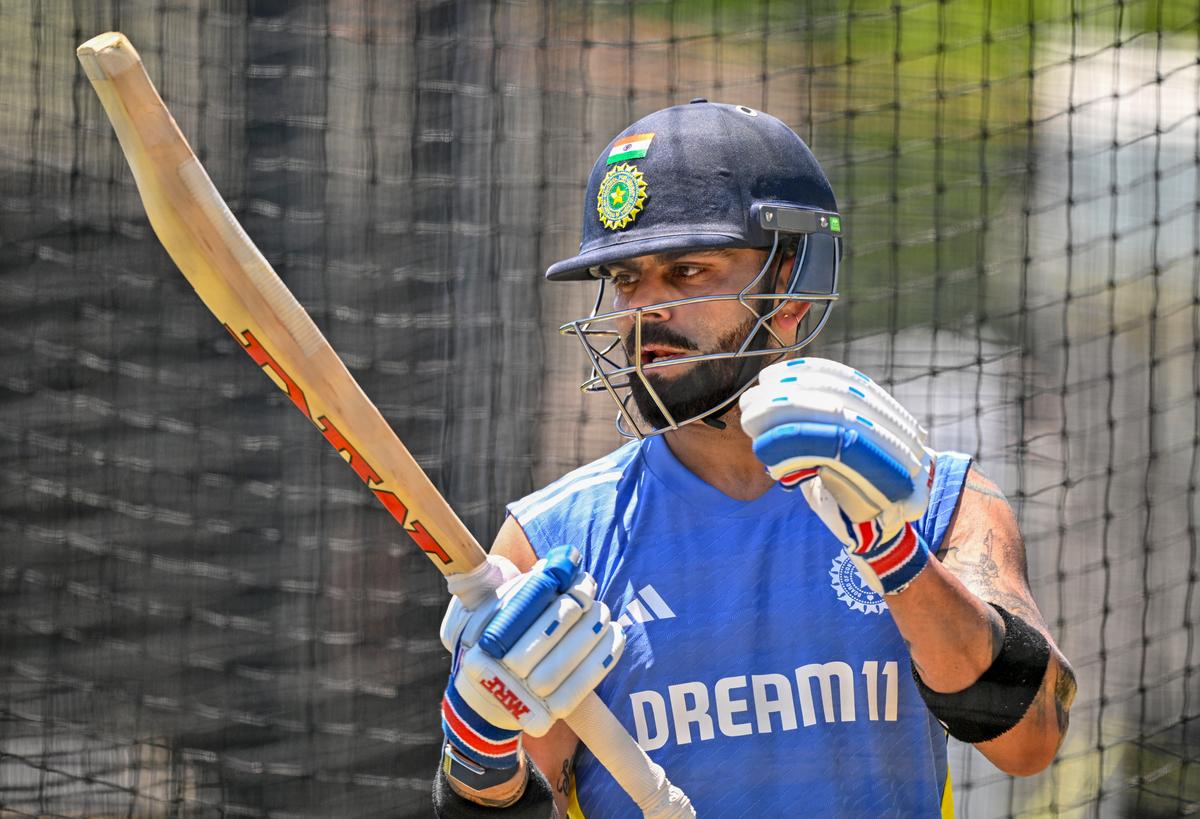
[687, 271]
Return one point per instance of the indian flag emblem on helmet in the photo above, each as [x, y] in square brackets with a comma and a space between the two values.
[621, 196]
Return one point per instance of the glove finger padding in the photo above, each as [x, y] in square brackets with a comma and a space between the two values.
[551, 626]
[589, 673]
[825, 392]
[572, 650]
[853, 392]
[554, 687]
[812, 414]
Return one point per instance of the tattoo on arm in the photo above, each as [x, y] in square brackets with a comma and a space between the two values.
[564, 779]
[977, 567]
[976, 484]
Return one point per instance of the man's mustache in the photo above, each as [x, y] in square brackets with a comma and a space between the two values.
[658, 334]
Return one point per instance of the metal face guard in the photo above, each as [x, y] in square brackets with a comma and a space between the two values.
[604, 349]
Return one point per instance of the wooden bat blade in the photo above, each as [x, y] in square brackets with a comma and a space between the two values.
[239, 286]
[237, 283]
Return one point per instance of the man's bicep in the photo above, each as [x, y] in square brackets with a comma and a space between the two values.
[984, 549]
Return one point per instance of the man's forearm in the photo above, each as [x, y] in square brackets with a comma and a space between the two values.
[954, 637]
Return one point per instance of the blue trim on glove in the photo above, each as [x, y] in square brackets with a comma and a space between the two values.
[854, 449]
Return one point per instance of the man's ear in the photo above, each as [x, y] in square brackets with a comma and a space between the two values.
[788, 319]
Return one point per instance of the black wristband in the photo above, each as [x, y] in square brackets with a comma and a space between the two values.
[537, 802]
[998, 700]
[466, 771]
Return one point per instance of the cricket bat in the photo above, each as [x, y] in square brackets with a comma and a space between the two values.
[239, 286]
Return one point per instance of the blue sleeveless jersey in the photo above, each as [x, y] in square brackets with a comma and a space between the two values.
[760, 671]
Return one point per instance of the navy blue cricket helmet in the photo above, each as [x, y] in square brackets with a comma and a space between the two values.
[704, 176]
[711, 176]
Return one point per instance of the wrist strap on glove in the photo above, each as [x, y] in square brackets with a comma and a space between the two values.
[461, 768]
[476, 739]
[537, 802]
[896, 562]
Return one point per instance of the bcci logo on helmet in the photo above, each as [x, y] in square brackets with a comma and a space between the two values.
[851, 589]
[621, 196]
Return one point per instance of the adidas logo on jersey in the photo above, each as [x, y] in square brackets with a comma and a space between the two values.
[645, 606]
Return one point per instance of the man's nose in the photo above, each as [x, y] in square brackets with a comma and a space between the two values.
[648, 296]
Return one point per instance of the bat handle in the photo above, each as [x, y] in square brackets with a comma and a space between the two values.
[637, 774]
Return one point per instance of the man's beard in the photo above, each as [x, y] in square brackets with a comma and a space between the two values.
[700, 388]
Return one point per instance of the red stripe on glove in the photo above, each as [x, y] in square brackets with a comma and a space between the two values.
[477, 743]
[898, 555]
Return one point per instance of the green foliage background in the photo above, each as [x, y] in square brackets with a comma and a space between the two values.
[923, 114]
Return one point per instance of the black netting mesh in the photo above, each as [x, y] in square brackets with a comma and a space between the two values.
[202, 613]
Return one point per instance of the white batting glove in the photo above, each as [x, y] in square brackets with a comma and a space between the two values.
[526, 657]
[857, 455]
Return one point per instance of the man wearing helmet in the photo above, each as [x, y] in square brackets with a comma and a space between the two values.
[769, 645]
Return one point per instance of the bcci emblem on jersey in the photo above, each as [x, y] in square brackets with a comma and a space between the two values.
[851, 589]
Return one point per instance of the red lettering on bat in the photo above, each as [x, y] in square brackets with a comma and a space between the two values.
[364, 470]
[361, 468]
[264, 359]
[388, 498]
[416, 530]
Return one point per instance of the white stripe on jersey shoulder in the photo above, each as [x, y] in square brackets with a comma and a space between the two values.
[604, 470]
[567, 491]
[519, 507]
[617, 459]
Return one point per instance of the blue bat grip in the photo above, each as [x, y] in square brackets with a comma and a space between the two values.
[538, 591]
